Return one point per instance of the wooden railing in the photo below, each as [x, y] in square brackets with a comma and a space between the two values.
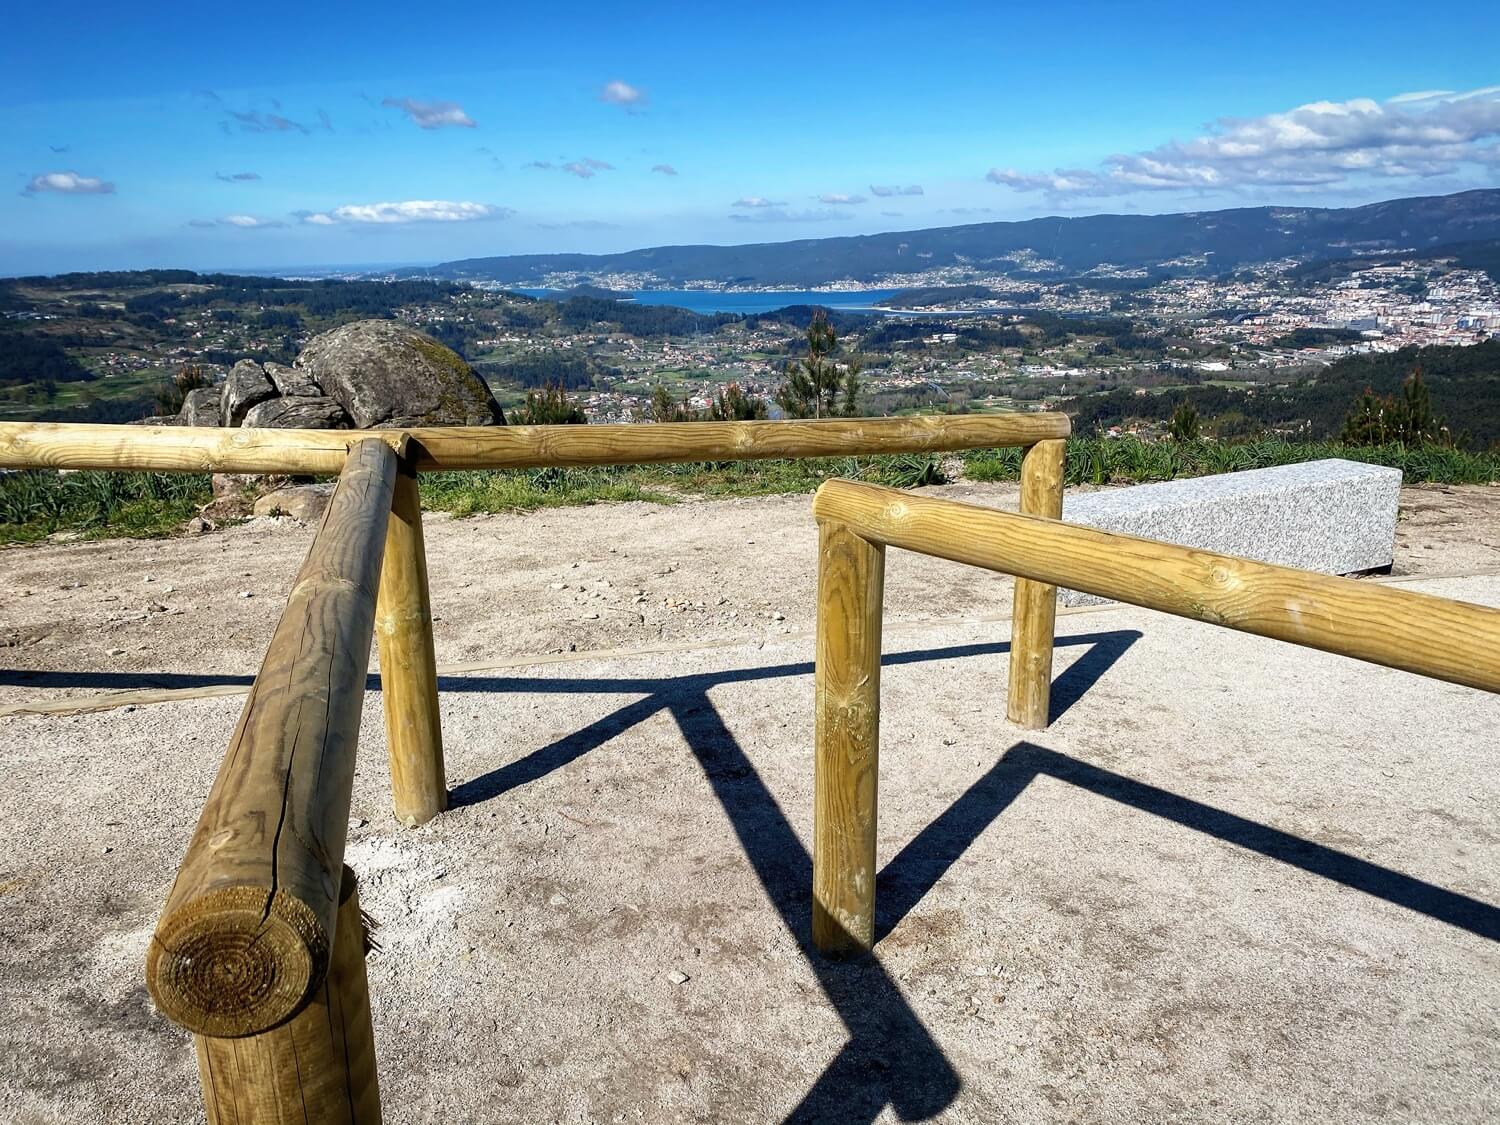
[259, 951]
[1437, 637]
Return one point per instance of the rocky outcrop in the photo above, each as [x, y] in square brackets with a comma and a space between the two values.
[384, 373]
[201, 407]
[244, 387]
[369, 373]
[291, 383]
[298, 413]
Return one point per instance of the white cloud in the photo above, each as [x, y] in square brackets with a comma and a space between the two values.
[254, 121]
[432, 115]
[409, 211]
[665, 169]
[1423, 134]
[1418, 96]
[774, 213]
[755, 201]
[623, 94]
[68, 183]
[1060, 183]
[242, 222]
[886, 190]
[584, 169]
[840, 199]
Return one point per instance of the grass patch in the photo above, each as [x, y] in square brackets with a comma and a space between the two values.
[1132, 461]
[37, 503]
[525, 490]
[520, 490]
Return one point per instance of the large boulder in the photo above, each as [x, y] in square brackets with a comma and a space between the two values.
[299, 413]
[305, 502]
[291, 383]
[201, 407]
[384, 373]
[245, 386]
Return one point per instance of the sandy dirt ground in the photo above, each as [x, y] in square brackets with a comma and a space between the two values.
[1232, 881]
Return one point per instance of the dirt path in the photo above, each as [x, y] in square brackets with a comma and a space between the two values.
[1233, 880]
[613, 576]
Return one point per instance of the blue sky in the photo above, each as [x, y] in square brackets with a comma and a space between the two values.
[282, 135]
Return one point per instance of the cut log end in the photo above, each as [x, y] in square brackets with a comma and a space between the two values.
[236, 961]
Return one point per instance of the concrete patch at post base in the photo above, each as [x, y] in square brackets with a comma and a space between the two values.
[1333, 516]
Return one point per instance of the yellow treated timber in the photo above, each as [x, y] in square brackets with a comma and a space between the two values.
[851, 581]
[245, 936]
[188, 449]
[1437, 637]
[318, 1066]
[1034, 618]
[408, 667]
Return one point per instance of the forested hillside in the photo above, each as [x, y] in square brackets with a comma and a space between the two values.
[1464, 382]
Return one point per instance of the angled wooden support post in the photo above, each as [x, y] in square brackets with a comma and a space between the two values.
[851, 585]
[1034, 614]
[408, 668]
[245, 938]
[317, 1066]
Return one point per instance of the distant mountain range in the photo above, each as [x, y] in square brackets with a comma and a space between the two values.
[1210, 242]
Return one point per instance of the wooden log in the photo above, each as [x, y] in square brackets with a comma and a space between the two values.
[851, 584]
[408, 666]
[187, 449]
[1432, 636]
[1035, 606]
[317, 1066]
[173, 449]
[244, 939]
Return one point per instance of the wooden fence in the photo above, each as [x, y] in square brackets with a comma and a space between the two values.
[258, 951]
[1437, 637]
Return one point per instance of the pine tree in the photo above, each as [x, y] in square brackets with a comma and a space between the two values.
[851, 386]
[664, 408]
[1184, 425]
[548, 407]
[811, 386]
[733, 405]
[1404, 419]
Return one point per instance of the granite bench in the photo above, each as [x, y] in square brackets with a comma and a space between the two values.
[1333, 516]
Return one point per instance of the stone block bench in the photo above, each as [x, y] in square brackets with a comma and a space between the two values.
[1334, 516]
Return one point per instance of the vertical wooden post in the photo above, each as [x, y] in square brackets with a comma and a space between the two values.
[1034, 615]
[317, 1066]
[408, 668]
[851, 585]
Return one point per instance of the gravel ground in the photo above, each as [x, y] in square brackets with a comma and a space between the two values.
[1232, 881]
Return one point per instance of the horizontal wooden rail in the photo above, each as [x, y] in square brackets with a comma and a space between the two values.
[247, 932]
[1437, 637]
[61, 445]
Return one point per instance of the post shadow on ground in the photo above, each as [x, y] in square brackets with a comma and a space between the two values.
[890, 1058]
[1102, 650]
